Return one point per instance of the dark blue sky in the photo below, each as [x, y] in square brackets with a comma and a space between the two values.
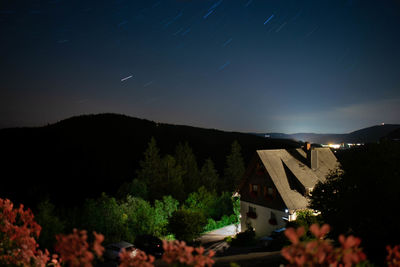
[287, 66]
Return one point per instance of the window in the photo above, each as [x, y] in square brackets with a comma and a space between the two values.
[272, 219]
[254, 190]
[269, 192]
[252, 212]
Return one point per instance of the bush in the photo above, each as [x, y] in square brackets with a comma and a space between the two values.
[246, 238]
[186, 225]
[225, 221]
[51, 224]
[320, 252]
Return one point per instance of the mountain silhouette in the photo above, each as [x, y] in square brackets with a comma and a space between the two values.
[82, 156]
[367, 135]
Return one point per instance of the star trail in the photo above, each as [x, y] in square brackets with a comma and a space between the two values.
[241, 65]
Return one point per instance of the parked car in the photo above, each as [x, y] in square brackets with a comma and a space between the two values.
[276, 240]
[150, 244]
[112, 251]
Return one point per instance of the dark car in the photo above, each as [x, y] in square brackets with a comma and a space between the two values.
[150, 244]
[276, 240]
[112, 251]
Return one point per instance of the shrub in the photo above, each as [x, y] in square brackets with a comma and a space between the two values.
[178, 254]
[51, 224]
[18, 233]
[320, 252]
[186, 225]
[245, 238]
[75, 250]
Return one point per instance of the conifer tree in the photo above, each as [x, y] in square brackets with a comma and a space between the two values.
[150, 166]
[234, 169]
[186, 159]
[208, 175]
[170, 183]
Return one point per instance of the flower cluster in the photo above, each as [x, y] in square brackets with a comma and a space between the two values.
[74, 248]
[393, 257]
[320, 252]
[18, 231]
[139, 259]
[176, 252]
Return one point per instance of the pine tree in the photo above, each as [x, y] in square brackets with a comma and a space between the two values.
[186, 159]
[208, 175]
[171, 180]
[150, 171]
[234, 169]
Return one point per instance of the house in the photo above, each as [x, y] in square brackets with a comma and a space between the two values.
[276, 185]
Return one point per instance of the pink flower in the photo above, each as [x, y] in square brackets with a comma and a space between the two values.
[18, 231]
[139, 260]
[74, 249]
[178, 252]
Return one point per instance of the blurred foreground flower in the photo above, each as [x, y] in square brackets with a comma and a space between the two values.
[74, 248]
[320, 252]
[18, 233]
[177, 253]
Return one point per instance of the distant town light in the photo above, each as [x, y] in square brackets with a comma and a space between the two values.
[335, 146]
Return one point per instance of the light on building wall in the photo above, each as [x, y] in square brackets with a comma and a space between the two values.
[286, 210]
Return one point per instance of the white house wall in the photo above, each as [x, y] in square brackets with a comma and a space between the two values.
[261, 225]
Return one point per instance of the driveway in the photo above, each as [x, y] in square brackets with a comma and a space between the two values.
[219, 234]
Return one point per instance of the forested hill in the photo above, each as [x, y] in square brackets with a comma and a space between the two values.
[367, 135]
[82, 156]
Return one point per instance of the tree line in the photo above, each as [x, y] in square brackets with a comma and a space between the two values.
[169, 195]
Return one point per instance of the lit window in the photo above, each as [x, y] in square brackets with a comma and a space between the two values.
[270, 191]
[255, 188]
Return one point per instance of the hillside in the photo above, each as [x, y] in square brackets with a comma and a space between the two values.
[367, 135]
[83, 156]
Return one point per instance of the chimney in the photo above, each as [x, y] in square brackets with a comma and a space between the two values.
[312, 156]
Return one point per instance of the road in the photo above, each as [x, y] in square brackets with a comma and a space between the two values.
[215, 240]
[219, 234]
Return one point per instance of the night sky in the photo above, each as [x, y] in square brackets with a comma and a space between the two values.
[249, 65]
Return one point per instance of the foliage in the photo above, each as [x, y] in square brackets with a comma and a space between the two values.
[75, 251]
[140, 259]
[51, 224]
[138, 217]
[163, 211]
[234, 169]
[236, 208]
[208, 175]
[203, 201]
[178, 254]
[18, 233]
[393, 256]
[128, 218]
[186, 159]
[245, 238]
[171, 181]
[210, 204]
[106, 216]
[225, 221]
[136, 188]
[320, 252]
[370, 182]
[186, 225]
[150, 165]
[305, 218]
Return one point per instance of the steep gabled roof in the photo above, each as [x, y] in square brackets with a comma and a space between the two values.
[275, 161]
